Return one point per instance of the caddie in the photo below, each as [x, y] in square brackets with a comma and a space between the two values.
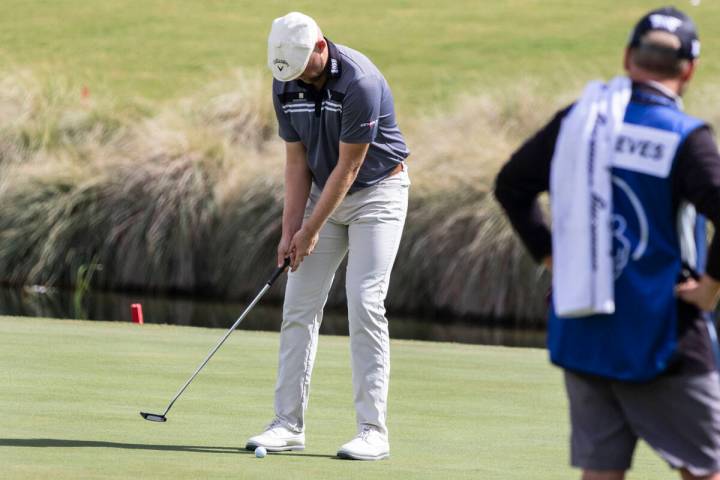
[630, 177]
[346, 193]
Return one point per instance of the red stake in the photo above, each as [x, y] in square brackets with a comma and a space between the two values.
[137, 315]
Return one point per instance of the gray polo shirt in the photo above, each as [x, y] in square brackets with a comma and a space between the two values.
[355, 106]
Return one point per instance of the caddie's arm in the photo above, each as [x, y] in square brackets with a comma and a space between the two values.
[298, 181]
[337, 185]
[697, 177]
[525, 176]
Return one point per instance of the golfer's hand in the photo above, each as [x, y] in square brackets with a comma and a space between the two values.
[301, 245]
[703, 294]
[283, 250]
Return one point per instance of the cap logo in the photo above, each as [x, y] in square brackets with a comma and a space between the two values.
[665, 22]
[696, 48]
[280, 64]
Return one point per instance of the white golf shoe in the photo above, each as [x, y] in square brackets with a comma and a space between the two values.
[277, 438]
[368, 445]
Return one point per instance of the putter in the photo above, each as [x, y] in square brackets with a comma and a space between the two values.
[156, 417]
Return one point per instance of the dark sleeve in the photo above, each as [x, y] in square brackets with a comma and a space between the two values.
[285, 129]
[697, 179]
[522, 179]
[361, 110]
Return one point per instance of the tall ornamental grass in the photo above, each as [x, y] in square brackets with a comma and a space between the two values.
[187, 198]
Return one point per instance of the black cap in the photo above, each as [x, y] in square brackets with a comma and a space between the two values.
[671, 20]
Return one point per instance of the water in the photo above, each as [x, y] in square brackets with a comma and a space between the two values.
[52, 303]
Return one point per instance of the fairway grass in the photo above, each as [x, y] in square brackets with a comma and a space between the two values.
[72, 390]
[429, 51]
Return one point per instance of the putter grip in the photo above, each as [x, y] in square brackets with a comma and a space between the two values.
[278, 271]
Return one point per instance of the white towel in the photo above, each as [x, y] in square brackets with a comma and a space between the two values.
[581, 200]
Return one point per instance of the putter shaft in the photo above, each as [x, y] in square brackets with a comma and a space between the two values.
[276, 273]
[217, 346]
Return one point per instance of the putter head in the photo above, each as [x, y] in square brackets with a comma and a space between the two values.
[153, 417]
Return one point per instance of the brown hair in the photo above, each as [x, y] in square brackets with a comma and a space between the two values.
[658, 54]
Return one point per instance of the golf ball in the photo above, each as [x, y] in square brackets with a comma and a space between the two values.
[260, 452]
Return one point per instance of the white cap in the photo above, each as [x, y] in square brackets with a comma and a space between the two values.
[291, 42]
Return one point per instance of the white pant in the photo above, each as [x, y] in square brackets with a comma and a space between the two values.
[368, 224]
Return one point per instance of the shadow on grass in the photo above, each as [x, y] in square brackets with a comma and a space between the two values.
[62, 443]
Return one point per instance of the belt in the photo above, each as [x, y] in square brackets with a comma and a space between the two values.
[398, 168]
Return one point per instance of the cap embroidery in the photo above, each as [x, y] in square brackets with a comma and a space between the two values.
[665, 22]
[280, 63]
[696, 48]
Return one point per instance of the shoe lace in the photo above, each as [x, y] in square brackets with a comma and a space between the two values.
[274, 424]
[365, 432]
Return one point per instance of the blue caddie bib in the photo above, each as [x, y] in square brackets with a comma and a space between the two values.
[637, 342]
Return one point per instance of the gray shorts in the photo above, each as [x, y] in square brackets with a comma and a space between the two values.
[678, 416]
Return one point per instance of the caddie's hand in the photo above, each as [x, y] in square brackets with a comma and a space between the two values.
[301, 245]
[704, 293]
[547, 263]
[283, 250]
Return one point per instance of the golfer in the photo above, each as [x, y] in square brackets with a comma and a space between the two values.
[346, 192]
[630, 177]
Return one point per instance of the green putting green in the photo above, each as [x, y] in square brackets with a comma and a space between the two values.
[72, 391]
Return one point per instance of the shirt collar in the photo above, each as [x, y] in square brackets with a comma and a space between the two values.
[658, 87]
[334, 65]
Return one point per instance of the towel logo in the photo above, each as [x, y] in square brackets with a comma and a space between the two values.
[597, 204]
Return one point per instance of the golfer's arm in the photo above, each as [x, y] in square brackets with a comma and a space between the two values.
[297, 187]
[341, 179]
